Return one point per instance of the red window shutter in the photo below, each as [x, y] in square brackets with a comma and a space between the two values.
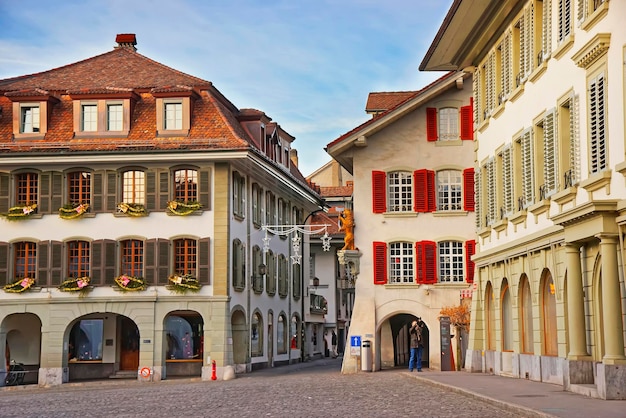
[420, 180]
[380, 263]
[431, 124]
[430, 262]
[419, 262]
[470, 250]
[379, 195]
[467, 124]
[468, 189]
[432, 195]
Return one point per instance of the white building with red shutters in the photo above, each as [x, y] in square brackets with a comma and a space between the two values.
[413, 205]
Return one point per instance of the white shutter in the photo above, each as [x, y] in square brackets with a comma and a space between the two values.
[582, 10]
[597, 120]
[574, 135]
[565, 19]
[547, 30]
[522, 49]
[490, 84]
[506, 65]
[550, 152]
[528, 190]
[507, 180]
[477, 97]
[478, 188]
[491, 192]
[529, 16]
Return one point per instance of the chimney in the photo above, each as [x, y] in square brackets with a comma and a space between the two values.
[126, 40]
[293, 155]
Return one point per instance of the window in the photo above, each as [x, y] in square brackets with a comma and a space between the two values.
[239, 195]
[528, 165]
[86, 341]
[173, 119]
[550, 157]
[283, 284]
[239, 265]
[257, 205]
[597, 124]
[507, 318]
[526, 316]
[89, 117]
[448, 124]
[25, 261]
[78, 259]
[548, 311]
[590, 11]
[270, 276]
[449, 190]
[115, 119]
[270, 208]
[450, 261]
[79, 187]
[256, 337]
[29, 118]
[565, 19]
[506, 67]
[26, 185]
[400, 191]
[568, 145]
[490, 310]
[401, 262]
[281, 334]
[295, 332]
[184, 334]
[443, 124]
[544, 21]
[185, 256]
[257, 278]
[506, 166]
[186, 185]
[296, 280]
[132, 257]
[134, 187]
[491, 192]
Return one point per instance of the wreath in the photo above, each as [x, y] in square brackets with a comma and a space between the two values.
[75, 284]
[183, 208]
[132, 209]
[130, 283]
[73, 210]
[181, 283]
[19, 285]
[21, 212]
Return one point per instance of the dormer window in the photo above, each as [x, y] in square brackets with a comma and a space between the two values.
[29, 119]
[98, 114]
[31, 110]
[173, 118]
[174, 107]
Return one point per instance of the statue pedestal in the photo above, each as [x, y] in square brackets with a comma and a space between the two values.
[351, 260]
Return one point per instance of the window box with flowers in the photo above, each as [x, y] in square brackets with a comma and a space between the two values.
[73, 210]
[132, 209]
[130, 284]
[20, 212]
[182, 283]
[76, 284]
[20, 285]
[183, 208]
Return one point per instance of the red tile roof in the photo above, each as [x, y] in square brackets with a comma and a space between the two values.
[336, 191]
[381, 101]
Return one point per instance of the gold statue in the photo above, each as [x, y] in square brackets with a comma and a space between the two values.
[346, 225]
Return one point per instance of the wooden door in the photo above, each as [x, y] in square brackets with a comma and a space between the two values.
[129, 344]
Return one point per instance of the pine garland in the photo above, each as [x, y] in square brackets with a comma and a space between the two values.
[73, 210]
[183, 208]
[130, 283]
[18, 213]
[76, 284]
[19, 285]
[181, 283]
[132, 209]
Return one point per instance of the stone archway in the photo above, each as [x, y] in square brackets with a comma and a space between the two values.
[240, 340]
[395, 342]
[184, 341]
[20, 343]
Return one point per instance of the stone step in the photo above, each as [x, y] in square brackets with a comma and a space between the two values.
[124, 374]
[589, 390]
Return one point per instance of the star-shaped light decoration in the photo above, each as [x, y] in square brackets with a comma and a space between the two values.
[325, 241]
[266, 243]
[295, 243]
[295, 259]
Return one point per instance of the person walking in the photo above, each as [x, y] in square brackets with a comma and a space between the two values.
[415, 332]
[333, 340]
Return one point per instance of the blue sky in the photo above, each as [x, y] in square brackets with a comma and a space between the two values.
[309, 65]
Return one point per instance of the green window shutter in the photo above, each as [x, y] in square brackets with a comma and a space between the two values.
[149, 262]
[204, 260]
[5, 180]
[56, 263]
[97, 201]
[111, 191]
[164, 189]
[97, 263]
[56, 196]
[43, 263]
[163, 267]
[204, 197]
[110, 259]
[4, 262]
[151, 191]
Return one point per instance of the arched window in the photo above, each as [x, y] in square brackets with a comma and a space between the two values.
[548, 303]
[490, 310]
[239, 265]
[134, 187]
[294, 332]
[186, 185]
[184, 334]
[526, 316]
[282, 337]
[256, 335]
[507, 318]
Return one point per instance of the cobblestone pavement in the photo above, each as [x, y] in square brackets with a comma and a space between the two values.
[312, 389]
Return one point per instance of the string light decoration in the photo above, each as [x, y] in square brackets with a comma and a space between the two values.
[296, 230]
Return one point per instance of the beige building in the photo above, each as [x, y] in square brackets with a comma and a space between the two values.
[143, 226]
[549, 94]
[413, 206]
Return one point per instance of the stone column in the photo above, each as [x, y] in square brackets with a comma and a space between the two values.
[575, 304]
[611, 301]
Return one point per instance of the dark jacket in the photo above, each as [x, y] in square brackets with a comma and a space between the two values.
[416, 336]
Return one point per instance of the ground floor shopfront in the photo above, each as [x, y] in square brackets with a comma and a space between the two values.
[68, 338]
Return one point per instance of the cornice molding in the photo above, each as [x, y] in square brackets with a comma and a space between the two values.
[592, 50]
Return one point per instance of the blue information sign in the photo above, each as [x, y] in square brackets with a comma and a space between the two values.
[355, 341]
